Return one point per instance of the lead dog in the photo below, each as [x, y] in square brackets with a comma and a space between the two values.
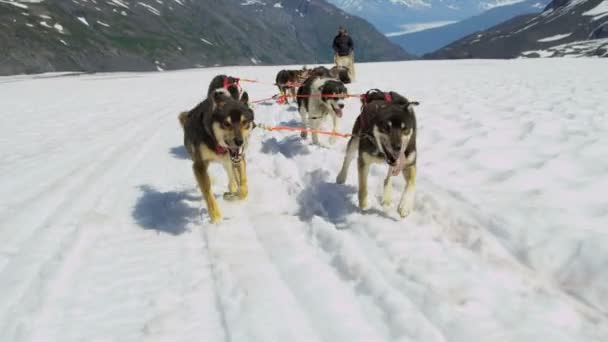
[319, 98]
[384, 132]
[217, 130]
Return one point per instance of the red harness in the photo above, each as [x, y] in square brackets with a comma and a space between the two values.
[235, 83]
[387, 98]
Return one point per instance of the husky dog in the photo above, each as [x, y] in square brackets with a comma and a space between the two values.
[384, 132]
[217, 130]
[318, 98]
[336, 72]
[225, 82]
[340, 73]
[320, 71]
[289, 80]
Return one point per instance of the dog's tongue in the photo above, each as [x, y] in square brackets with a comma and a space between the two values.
[338, 111]
[400, 164]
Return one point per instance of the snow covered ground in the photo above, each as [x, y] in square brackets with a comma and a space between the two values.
[103, 236]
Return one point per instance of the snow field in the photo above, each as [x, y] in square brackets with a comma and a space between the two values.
[105, 238]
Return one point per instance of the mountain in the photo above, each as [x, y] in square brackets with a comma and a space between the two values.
[429, 40]
[392, 15]
[564, 28]
[120, 35]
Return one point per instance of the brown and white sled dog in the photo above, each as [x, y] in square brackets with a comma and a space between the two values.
[384, 132]
[217, 130]
[319, 98]
[288, 81]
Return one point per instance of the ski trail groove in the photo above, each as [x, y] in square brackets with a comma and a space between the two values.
[60, 236]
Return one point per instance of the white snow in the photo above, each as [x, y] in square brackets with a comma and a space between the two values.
[278, 5]
[206, 41]
[102, 23]
[149, 8]
[119, 3]
[417, 27]
[253, 2]
[499, 3]
[16, 4]
[573, 49]
[555, 37]
[103, 235]
[58, 27]
[83, 20]
[599, 11]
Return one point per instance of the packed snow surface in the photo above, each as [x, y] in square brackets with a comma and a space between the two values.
[103, 235]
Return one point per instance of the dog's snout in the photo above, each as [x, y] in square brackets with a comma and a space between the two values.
[341, 105]
[238, 141]
[396, 147]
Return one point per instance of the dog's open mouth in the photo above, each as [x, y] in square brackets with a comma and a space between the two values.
[337, 110]
[395, 159]
[389, 157]
[236, 154]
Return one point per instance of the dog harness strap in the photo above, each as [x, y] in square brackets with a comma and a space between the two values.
[235, 83]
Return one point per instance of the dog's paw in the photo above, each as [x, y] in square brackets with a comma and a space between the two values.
[215, 215]
[243, 192]
[232, 187]
[231, 196]
[406, 209]
[386, 202]
[363, 204]
[341, 179]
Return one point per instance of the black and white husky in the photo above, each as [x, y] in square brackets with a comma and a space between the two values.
[384, 132]
[319, 98]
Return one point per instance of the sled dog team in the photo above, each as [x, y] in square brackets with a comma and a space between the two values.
[217, 131]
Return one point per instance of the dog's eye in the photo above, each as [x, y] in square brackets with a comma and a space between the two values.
[407, 130]
[226, 124]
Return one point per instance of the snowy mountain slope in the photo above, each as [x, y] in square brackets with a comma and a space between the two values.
[103, 236]
[562, 25]
[130, 35]
[426, 41]
[391, 15]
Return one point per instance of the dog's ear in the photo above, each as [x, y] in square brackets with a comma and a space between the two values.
[245, 98]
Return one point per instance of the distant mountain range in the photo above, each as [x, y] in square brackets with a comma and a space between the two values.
[129, 35]
[564, 28]
[429, 40]
[392, 15]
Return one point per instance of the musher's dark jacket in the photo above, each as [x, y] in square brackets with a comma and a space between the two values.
[343, 45]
